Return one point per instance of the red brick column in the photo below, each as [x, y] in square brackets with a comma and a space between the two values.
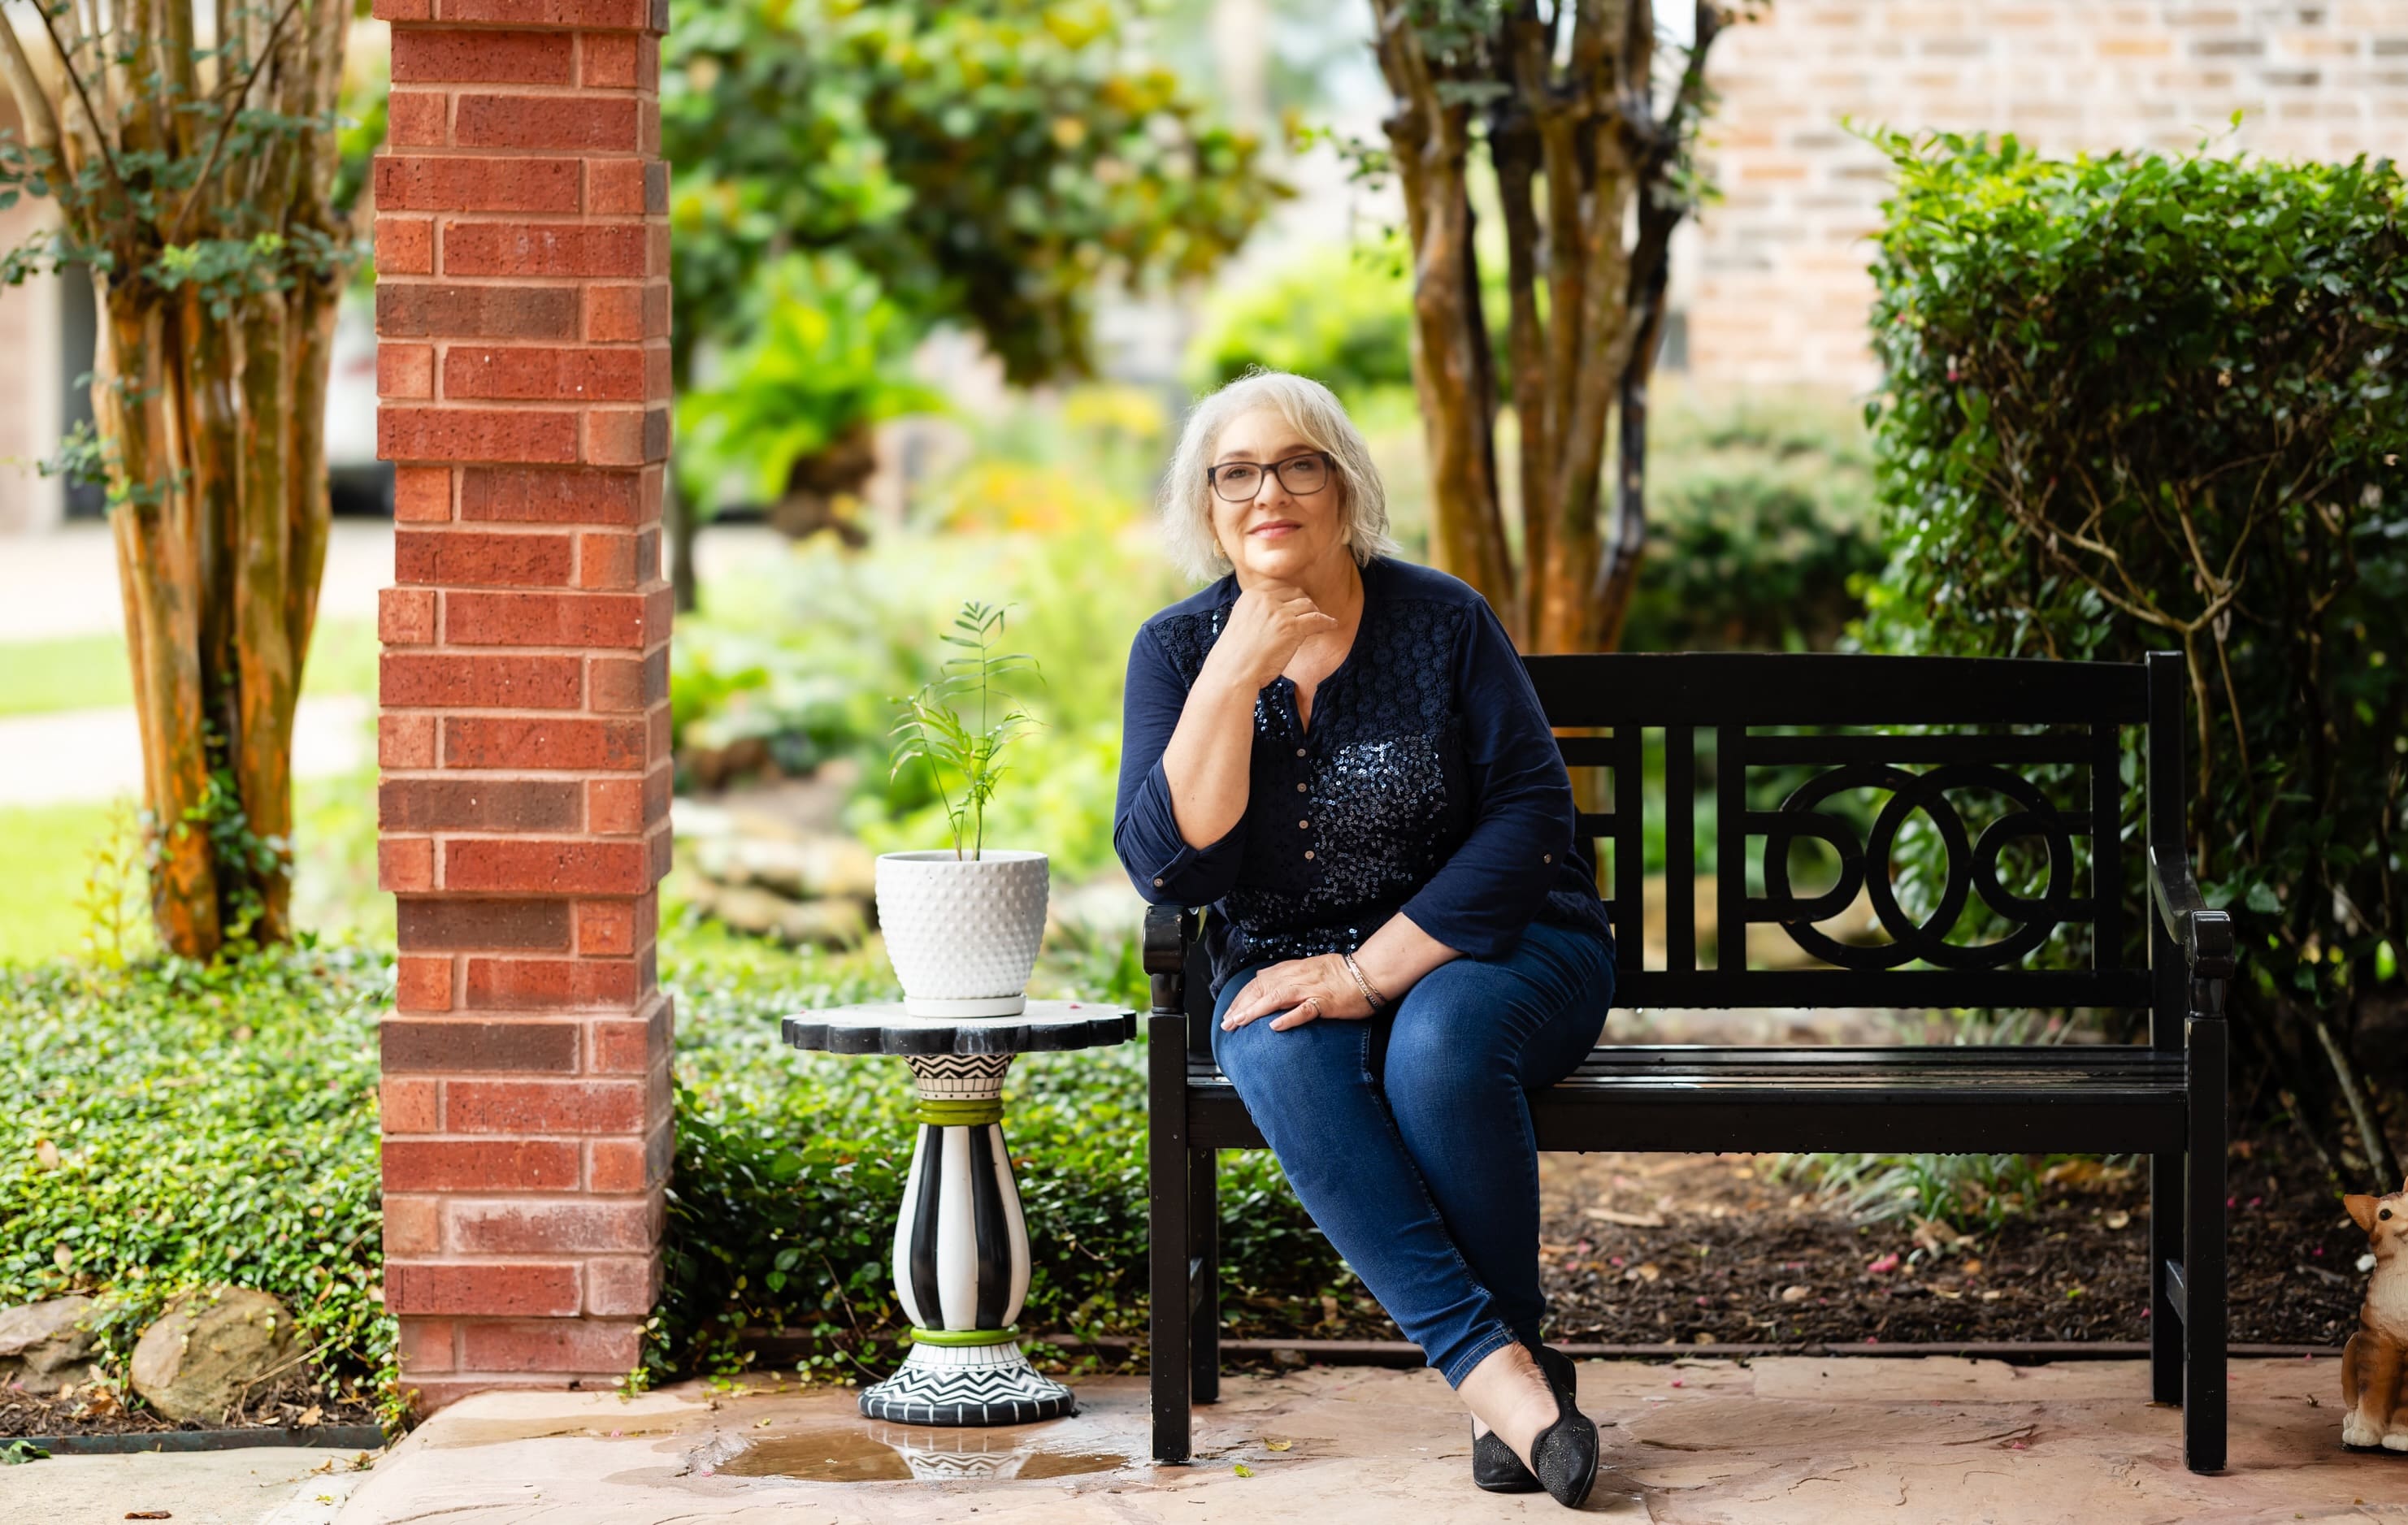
[522, 309]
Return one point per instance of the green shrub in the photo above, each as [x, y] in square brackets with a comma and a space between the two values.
[1341, 314]
[829, 357]
[170, 1125]
[806, 653]
[2140, 403]
[1762, 526]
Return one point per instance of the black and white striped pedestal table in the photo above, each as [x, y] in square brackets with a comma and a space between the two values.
[961, 1247]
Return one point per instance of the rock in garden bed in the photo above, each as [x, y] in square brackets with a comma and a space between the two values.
[219, 1358]
[770, 862]
[43, 1349]
[211, 1347]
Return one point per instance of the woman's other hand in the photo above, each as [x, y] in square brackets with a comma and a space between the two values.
[1266, 625]
[1300, 991]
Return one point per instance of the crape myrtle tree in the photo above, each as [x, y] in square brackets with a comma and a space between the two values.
[1588, 127]
[191, 153]
[987, 162]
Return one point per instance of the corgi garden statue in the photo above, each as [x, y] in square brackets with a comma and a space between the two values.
[2374, 1364]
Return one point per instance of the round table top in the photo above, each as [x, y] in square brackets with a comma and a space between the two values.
[884, 1027]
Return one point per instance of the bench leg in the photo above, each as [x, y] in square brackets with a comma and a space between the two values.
[2203, 1327]
[1204, 1236]
[2165, 1243]
[1168, 1233]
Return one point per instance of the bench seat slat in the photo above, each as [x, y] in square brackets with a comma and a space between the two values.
[1947, 1099]
[1952, 1064]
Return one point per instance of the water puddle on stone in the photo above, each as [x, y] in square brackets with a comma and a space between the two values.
[880, 1453]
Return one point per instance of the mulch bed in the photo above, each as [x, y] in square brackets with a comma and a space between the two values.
[296, 1403]
[1730, 1243]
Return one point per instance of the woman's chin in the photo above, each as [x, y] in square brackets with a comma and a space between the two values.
[1283, 558]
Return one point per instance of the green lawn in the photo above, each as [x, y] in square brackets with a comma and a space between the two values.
[87, 672]
[49, 849]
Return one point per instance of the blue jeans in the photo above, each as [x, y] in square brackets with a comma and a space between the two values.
[1407, 1137]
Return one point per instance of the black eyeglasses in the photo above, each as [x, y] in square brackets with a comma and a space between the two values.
[1303, 475]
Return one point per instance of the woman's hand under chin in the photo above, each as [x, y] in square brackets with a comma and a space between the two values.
[1265, 627]
[1300, 991]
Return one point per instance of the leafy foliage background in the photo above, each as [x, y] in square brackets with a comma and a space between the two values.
[2141, 403]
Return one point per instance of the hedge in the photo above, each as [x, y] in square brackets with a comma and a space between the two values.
[2140, 403]
[171, 1125]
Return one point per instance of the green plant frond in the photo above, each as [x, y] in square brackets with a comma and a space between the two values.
[933, 730]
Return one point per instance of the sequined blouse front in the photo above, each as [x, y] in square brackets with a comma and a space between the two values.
[1427, 783]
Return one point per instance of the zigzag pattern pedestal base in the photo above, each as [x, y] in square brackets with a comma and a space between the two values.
[986, 1384]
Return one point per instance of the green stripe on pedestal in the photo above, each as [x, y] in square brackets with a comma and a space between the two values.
[948, 1112]
[965, 1338]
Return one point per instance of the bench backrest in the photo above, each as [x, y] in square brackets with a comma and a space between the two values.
[1824, 726]
[1805, 745]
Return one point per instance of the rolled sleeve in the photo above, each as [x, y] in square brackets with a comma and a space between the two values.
[1165, 868]
[1491, 889]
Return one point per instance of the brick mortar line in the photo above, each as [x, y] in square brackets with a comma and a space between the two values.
[468, 216]
[528, 712]
[473, 24]
[496, 775]
[453, 342]
[492, 1199]
[516, 651]
[521, 404]
[596, 839]
[555, 650]
[530, 653]
[644, 1001]
[484, 152]
[511, 152]
[521, 283]
[509, 776]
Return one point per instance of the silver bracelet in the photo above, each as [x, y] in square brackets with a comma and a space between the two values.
[1360, 983]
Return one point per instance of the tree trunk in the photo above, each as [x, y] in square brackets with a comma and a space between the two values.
[685, 585]
[209, 393]
[1430, 137]
[1575, 140]
[158, 567]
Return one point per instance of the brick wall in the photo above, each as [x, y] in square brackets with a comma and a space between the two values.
[1773, 280]
[523, 366]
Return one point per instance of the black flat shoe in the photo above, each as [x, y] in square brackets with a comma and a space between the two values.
[1564, 1457]
[1496, 1468]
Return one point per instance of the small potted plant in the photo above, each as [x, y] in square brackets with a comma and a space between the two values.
[962, 925]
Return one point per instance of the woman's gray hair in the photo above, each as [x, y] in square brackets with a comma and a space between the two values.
[1312, 410]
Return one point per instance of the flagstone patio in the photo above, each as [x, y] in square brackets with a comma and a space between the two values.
[1787, 1439]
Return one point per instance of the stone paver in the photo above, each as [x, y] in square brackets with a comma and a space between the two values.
[269, 1485]
[1700, 1442]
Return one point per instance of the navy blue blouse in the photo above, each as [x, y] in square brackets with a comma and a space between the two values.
[1429, 783]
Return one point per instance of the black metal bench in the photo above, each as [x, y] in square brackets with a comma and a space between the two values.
[1778, 717]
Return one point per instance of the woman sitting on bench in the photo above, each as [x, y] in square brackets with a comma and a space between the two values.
[1341, 753]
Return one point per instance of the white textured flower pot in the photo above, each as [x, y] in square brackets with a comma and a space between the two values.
[962, 932]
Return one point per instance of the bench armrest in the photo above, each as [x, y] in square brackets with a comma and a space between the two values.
[1168, 931]
[2203, 934]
